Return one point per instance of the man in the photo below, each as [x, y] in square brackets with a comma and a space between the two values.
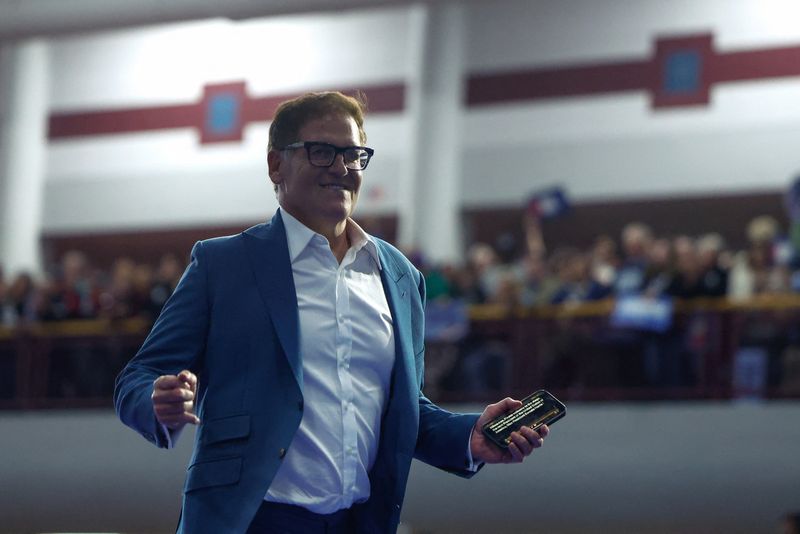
[300, 344]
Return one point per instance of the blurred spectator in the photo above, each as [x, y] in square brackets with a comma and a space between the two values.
[116, 300]
[686, 283]
[167, 277]
[68, 292]
[762, 233]
[713, 272]
[141, 301]
[636, 241]
[536, 285]
[661, 268]
[437, 284]
[741, 285]
[507, 291]
[576, 282]
[19, 304]
[485, 264]
[467, 287]
[604, 261]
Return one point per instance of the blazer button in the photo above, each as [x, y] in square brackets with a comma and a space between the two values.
[281, 453]
[300, 405]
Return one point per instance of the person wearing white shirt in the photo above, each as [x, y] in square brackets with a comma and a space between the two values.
[297, 347]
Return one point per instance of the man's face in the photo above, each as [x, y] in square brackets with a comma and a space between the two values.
[319, 197]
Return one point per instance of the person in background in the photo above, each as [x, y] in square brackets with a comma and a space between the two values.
[636, 241]
[714, 271]
[166, 280]
[484, 263]
[577, 284]
[20, 301]
[604, 261]
[762, 234]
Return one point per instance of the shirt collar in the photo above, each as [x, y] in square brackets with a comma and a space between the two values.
[298, 236]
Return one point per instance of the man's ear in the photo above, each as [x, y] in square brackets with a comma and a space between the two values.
[274, 160]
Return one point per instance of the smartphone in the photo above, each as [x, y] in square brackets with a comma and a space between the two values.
[538, 408]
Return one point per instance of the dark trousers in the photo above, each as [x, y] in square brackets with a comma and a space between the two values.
[278, 518]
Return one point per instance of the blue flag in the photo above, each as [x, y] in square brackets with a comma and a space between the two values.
[548, 203]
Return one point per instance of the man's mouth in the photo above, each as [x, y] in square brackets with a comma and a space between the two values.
[337, 187]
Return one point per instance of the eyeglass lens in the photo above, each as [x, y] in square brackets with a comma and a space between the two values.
[323, 156]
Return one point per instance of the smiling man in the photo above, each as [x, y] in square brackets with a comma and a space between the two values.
[297, 347]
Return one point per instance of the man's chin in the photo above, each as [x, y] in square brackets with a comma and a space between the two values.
[340, 211]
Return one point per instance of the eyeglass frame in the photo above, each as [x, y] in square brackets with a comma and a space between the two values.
[337, 150]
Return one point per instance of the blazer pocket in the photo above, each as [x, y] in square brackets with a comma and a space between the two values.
[213, 473]
[228, 428]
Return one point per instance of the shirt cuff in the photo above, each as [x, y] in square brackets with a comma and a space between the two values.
[171, 435]
[472, 467]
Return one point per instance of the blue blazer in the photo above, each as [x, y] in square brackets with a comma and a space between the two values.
[233, 321]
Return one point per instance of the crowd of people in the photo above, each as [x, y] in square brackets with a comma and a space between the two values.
[644, 265]
[643, 344]
[74, 289]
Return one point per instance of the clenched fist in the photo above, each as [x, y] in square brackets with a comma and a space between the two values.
[173, 399]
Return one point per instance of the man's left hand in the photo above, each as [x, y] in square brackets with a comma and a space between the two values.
[522, 443]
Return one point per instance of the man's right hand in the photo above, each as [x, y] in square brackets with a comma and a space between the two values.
[173, 399]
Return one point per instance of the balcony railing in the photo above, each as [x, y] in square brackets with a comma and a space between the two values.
[713, 349]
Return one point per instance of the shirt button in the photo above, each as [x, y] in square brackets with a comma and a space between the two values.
[281, 453]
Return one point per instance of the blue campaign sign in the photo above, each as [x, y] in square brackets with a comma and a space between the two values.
[548, 203]
[642, 313]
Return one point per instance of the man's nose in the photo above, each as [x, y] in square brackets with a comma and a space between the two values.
[338, 167]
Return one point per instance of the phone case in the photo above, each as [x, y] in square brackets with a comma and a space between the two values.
[538, 408]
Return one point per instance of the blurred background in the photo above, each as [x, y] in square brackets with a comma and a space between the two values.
[603, 196]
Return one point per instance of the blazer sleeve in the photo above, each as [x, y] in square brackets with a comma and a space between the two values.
[176, 342]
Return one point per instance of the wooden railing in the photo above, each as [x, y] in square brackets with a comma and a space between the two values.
[571, 349]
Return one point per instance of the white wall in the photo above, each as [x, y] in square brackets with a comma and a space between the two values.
[672, 467]
[599, 147]
[616, 145]
[167, 178]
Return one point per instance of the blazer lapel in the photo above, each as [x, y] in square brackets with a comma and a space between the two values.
[268, 253]
[396, 285]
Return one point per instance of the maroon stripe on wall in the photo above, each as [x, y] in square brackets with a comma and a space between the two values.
[388, 98]
[757, 64]
[635, 75]
[380, 99]
[557, 82]
[124, 120]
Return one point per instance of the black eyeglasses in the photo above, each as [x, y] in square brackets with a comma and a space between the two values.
[324, 154]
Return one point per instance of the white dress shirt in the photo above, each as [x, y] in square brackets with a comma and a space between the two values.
[347, 349]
